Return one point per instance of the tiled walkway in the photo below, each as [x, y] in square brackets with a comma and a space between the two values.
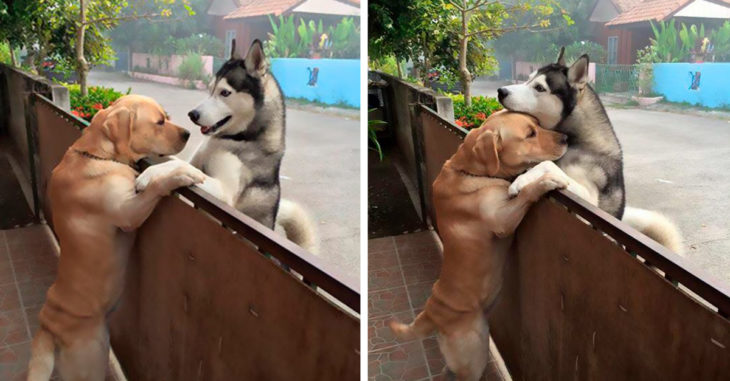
[401, 272]
[27, 268]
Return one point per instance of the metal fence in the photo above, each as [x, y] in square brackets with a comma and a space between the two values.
[617, 78]
[192, 313]
[587, 297]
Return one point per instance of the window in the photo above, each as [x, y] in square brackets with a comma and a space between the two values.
[612, 50]
[230, 35]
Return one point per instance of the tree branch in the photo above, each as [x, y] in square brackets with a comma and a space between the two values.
[501, 30]
[122, 18]
[457, 5]
[480, 3]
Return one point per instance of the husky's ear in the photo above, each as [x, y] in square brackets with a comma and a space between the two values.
[561, 59]
[487, 149]
[578, 72]
[255, 59]
[234, 54]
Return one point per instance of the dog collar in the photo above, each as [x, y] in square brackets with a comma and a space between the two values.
[92, 156]
[247, 135]
[463, 172]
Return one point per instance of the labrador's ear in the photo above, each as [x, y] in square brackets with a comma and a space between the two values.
[486, 149]
[234, 53]
[117, 126]
[256, 60]
[561, 59]
[578, 72]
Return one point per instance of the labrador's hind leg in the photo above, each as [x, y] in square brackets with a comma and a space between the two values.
[87, 357]
[466, 351]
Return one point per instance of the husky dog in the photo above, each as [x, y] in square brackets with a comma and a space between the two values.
[561, 99]
[243, 120]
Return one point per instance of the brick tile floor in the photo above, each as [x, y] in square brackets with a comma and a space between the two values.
[27, 268]
[401, 272]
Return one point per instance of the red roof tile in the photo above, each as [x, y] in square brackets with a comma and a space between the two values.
[650, 10]
[653, 10]
[252, 8]
[625, 5]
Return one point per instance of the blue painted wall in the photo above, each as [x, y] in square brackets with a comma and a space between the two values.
[674, 81]
[338, 80]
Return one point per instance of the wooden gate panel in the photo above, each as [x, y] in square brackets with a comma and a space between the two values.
[202, 304]
[576, 305]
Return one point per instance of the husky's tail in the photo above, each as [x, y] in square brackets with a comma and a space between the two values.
[42, 356]
[655, 226]
[420, 328]
[298, 226]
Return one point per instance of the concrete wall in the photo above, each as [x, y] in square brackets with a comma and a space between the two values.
[675, 82]
[167, 65]
[337, 80]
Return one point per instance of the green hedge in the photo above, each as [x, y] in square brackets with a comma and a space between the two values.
[474, 116]
[98, 98]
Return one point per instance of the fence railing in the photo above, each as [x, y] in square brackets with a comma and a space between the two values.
[586, 296]
[617, 78]
[17, 118]
[401, 100]
[202, 298]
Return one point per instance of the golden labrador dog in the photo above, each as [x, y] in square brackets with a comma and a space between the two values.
[476, 221]
[95, 212]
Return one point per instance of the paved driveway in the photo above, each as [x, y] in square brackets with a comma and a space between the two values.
[320, 170]
[679, 165]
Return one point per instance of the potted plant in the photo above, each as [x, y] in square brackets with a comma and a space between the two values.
[645, 58]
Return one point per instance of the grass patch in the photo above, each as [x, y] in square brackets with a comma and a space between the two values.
[687, 106]
[307, 102]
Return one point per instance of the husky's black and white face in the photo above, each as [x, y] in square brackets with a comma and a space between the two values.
[550, 94]
[236, 93]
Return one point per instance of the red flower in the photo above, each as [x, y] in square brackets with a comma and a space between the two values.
[75, 112]
[98, 106]
[481, 115]
[460, 122]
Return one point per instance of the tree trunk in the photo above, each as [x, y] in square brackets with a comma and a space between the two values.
[82, 67]
[13, 61]
[463, 70]
[397, 64]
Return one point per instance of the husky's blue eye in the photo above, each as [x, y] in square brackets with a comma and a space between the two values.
[539, 88]
[225, 93]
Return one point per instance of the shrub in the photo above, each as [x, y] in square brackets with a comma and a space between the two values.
[4, 53]
[309, 39]
[98, 98]
[191, 68]
[474, 116]
[203, 44]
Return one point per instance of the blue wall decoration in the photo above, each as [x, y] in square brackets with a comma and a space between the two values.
[330, 81]
[704, 84]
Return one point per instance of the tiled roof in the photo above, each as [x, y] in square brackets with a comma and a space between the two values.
[653, 10]
[252, 8]
[625, 5]
[650, 10]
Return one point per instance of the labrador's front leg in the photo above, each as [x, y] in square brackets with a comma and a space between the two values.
[136, 207]
[508, 216]
[540, 170]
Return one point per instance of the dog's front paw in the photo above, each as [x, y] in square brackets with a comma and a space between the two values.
[551, 181]
[169, 175]
[524, 180]
[183, 176]
[534, 174]
[143, 180]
